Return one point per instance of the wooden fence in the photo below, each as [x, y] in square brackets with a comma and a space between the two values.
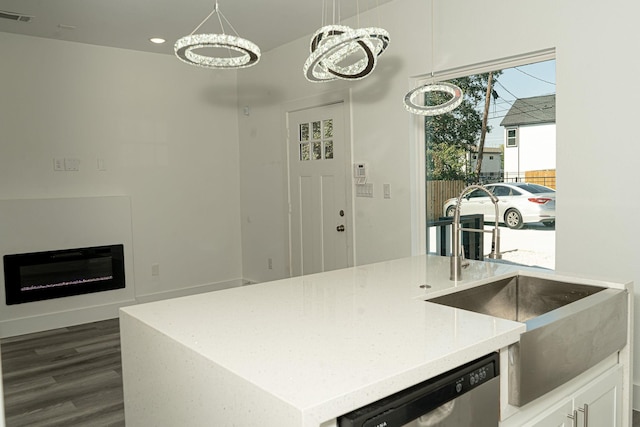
[545, 177]
[437, 193]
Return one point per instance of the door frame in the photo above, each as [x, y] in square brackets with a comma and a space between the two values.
[315, 101]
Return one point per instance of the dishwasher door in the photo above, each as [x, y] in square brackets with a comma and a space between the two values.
[468, 396]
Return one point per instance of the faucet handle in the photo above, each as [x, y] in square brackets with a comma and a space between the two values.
[464, 262]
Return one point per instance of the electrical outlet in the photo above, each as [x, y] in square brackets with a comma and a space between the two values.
[155, 269]
[71, 164]
[270, 263]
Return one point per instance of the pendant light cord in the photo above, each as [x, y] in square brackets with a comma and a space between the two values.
[216, 10]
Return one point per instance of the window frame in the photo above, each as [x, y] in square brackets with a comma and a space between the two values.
[514, 138]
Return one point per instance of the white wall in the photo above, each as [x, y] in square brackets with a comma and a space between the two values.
[597, 198]
[536, 150]
[380, 131]
[167, 133]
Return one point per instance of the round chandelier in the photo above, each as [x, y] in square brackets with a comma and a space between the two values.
[342, 52]
[433, 110]
[186, 46]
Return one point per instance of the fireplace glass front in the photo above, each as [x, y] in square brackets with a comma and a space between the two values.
[39, 276]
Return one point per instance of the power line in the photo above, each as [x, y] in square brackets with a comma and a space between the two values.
[522, 100]
[532, 76]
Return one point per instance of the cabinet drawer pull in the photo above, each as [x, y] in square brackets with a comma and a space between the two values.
[574, 418]
[585, 410]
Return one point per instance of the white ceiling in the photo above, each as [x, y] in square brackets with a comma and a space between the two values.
[129, 24]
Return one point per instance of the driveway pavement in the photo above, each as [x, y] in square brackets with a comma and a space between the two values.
[533, 245]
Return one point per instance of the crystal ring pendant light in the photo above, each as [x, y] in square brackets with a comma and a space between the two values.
[433, 110]
[333, 45]
[186, 46]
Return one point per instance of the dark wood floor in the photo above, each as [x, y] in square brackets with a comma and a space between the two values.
[64, 377]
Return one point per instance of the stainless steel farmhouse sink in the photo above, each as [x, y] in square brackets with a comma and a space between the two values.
[570, 328]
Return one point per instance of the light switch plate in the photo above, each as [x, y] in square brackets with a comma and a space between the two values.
[364, 190]
[58, 164]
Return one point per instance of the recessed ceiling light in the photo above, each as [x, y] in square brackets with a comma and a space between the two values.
[157, 40]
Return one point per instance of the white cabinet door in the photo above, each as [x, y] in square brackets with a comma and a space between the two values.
[600, 404]
[558, 417]
[597, 404]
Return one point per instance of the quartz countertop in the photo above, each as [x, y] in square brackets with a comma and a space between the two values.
[327, 343]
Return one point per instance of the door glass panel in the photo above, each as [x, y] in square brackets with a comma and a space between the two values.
[316, 130]
[305, 151]
[328, 149]
[317, 150]
[304, 132]
[328, 128]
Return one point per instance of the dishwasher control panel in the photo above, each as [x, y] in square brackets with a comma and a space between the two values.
[475, 378]
[400, 408]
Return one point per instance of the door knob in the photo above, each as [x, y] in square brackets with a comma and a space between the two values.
[340, 228]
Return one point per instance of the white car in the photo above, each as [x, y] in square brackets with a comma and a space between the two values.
[519, 203]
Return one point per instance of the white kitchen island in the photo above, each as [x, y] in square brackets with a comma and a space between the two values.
[301, 351]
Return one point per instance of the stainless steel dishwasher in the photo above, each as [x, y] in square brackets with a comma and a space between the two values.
[468, 396]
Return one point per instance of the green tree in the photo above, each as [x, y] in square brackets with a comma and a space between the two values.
[450, 136]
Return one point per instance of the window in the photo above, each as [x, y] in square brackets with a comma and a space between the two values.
[512, 137]
[501, 191]
[313, 137]
[521, 114]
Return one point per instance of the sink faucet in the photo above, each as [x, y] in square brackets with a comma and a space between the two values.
[457, 255]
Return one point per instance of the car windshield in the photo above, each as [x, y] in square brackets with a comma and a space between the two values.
[535, 188]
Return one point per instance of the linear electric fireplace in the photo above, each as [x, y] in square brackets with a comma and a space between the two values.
[39, 276]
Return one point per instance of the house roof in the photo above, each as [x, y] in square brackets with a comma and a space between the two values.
[494, 150]
[534, 110]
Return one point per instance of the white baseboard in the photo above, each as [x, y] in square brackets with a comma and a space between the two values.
[635, 399]
[157, 296]
[60, 319]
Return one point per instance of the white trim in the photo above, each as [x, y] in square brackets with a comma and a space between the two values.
[193, 290]
[417, 184]
[61, 319]
[487, 66]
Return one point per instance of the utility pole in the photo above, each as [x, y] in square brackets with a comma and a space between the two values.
[483, 133]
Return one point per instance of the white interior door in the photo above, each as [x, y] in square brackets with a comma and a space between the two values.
[320, 217]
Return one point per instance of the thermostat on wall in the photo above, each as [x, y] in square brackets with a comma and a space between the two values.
[360, 172]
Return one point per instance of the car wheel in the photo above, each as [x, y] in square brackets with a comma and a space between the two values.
[451, 210]
[513, 219]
